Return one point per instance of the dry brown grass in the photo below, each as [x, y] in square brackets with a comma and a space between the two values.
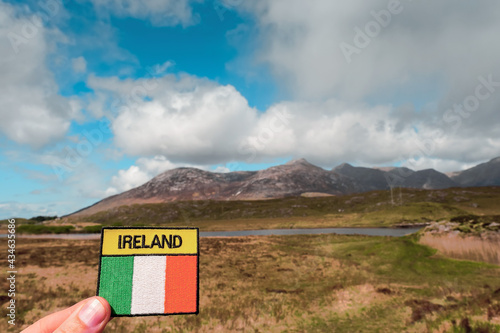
[316, 283]
[475, 248]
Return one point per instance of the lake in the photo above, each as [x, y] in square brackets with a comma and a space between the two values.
[393, 232]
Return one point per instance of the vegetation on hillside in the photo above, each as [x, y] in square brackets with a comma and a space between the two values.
[372, 209]
[41, 218]
[44, 229]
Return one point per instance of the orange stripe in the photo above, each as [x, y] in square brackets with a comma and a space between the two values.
[181, 284]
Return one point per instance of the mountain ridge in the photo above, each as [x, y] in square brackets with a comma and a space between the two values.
[484, 174]
[294, 178]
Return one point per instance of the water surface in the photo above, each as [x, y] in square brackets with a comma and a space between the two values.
[393, 232]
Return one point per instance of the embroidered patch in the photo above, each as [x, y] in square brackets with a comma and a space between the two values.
[149, 271]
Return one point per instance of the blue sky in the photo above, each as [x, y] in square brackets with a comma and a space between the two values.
[100, 96]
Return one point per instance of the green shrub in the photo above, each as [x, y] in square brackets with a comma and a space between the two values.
[43, 218]
[92, 229]
[43, 229]
[465, 219]
[464, 228]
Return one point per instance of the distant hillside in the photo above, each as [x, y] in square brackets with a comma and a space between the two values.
[291, 179]
[367, 179]
[369, 209]
[485, 174]
[379, 179]
[294, 178]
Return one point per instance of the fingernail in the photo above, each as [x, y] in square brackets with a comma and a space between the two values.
[92, 313]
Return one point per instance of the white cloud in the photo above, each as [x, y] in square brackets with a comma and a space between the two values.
[79, 65]
[331, 132]
[156, 165]
[428, 54]
[187, 119]
[158, 12]
[127, 179]
[196, 121]
[32, 112]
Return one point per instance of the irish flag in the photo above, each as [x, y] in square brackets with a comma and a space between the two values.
[149, 271]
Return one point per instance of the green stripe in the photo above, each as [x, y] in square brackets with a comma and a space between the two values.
[115, 283]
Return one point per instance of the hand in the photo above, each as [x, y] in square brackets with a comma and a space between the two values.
[88, 316]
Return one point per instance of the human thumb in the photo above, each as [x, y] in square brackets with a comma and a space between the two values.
[91, 317]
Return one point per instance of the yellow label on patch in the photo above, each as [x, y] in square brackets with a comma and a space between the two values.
[125, 241]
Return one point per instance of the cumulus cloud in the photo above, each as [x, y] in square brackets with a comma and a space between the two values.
[187, 119]
[127, 179]
[330, 132]
[197, 121]
[158, 12]
[32, 112]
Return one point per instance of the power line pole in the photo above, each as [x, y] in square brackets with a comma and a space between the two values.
[392, 197]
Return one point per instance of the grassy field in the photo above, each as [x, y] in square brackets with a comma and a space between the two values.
[307, 283]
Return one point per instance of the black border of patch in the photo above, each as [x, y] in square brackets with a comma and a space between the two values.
[197, 269]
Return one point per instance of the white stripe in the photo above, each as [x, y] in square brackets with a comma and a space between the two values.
[148, 286]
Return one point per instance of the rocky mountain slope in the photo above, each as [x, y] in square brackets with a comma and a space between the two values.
[485, 174]
[291, 179]
[381, 179]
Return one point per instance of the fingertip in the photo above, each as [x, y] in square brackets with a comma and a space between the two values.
[95, 312]
[104, 303]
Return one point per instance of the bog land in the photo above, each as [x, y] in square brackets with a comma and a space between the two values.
[299, 283]
[303, 283]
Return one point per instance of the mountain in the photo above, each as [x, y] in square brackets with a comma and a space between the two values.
[428, 179]
[485, 174]
[291, 179]
[298, 177]
[383, 178]
[368, 179]
[294, 178]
